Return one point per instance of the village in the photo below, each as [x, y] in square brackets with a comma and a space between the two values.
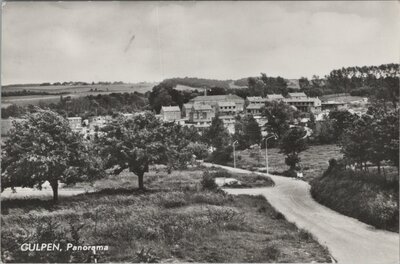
[200, 132]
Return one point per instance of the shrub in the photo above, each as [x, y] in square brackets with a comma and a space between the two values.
[173, 199]
[365, 196]
[272, 253]
[210, 198]
[208, 182]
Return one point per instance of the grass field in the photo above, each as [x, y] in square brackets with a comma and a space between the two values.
[341, 98]
[315, 160]
[175, 220]
[73, 91]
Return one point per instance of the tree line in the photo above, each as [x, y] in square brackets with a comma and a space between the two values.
[91, 105]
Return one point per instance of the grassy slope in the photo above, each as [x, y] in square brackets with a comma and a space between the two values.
[315, 160]
[177, 219]
[363, 197]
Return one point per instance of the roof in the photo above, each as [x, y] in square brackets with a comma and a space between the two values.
[202, 107]
[302, 99]
[297, 95]
[189, 105]
[254, 106]
[226, 104]
[256, 99]
[215, 98]
[333, 103]
[274, 96]
[170, 109]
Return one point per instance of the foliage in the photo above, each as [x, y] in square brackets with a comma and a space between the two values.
[292, 143]
[138, 142]
[91, 105]
[164, 94]
[208, 182]
[44, 231]
[279, 116]
[360, 194]
[263, 85]
[247, 132]
[200, 150]
[372, 138]
[42, 148]
[342, 119]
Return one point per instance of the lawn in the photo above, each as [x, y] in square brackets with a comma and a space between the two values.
[175, 220]
[315, 160]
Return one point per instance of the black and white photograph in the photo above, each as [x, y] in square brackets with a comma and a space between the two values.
[200, 132]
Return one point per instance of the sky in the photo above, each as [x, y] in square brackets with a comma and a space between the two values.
[151, 41]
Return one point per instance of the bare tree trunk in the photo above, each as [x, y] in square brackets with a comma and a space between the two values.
[140, 181]
[54, 186]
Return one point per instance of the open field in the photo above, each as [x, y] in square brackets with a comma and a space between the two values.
[341, 98]
[315, 160]
[175, 217]
[73, 91]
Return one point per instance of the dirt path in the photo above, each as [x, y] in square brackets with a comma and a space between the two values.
[348, 240]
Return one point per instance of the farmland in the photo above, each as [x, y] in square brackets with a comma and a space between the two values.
[69, 90]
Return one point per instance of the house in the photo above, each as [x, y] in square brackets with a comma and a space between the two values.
[201, 115]
[304, 104]
[256, 100]
[226, 108]
[333, 105]
[186, 110]
[254, 109]
[170, 113]
[297, 95]
[275, 97]
[214, 99]
[96, 122]
[75, 123]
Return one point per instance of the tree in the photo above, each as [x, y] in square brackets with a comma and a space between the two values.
[292, 143]
[219, 138]
[356, 142]
[44, 148]
[279, 116]
[137, 142]
[217, 135]
[247, 132]
[341, 121]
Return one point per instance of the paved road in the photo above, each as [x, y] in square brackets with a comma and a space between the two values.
[348, 240]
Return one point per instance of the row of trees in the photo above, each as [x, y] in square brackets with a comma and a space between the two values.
[372, 138]
[43, 147]
[91, 105]
[378, 81]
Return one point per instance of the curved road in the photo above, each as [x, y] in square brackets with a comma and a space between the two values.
[348, 240]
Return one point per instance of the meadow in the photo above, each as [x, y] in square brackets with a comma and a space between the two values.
[315, 160]
[174, 220]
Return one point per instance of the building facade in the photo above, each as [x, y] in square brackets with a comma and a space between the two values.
[170, 113]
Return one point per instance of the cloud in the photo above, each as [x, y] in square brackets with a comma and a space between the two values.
[88, 40]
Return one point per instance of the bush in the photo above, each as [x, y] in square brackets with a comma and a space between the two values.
[359, 194]
[208, 182]
[173, 199]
